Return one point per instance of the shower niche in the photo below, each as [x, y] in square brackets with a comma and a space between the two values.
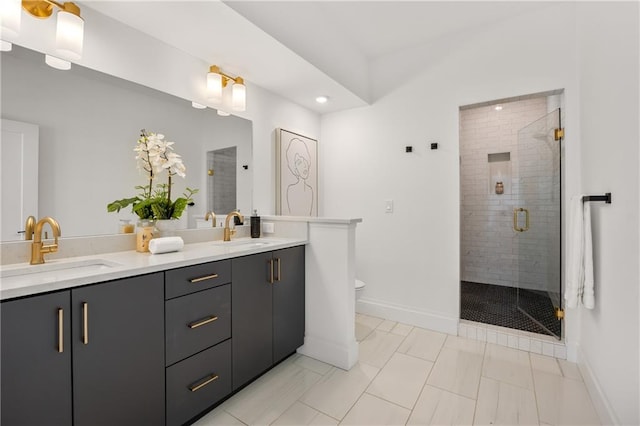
[499, 173]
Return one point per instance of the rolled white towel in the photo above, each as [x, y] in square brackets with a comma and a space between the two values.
[165, 245]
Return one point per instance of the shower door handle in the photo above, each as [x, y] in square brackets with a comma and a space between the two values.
[516, 212]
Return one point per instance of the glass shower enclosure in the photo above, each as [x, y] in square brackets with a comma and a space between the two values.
[536, 222]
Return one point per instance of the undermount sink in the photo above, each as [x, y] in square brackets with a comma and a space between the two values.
[243, 243]
[53, 270]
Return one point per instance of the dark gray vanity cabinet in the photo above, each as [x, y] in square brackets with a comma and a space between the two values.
[288, 302]
[92, 355]
[36, 360]
[197, 337]
[252, 312]
[118, 347]
[267, 309]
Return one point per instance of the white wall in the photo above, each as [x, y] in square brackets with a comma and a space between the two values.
[410, 259]
[414, 273]
[609, 113]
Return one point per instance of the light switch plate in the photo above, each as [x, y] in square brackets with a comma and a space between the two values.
[388, 206]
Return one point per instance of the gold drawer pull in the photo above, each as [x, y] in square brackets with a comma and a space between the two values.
[203, 382]
[85, 323]
[270, 271]
[208, 277]
[60, 330]
[203, 321]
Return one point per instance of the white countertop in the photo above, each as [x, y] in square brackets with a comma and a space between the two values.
[22, 279]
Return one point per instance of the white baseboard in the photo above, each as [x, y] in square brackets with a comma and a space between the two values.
[408, 315]
[600, 402]
[332, 353]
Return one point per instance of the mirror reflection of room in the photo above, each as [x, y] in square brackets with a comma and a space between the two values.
[88, 124]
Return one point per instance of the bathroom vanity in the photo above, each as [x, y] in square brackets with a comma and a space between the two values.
[180, 333]
[101, 334]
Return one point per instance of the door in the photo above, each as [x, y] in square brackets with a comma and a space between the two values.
[252, 317]
[36, 360]
[118, 352]
[19, 170]
[288, 302]
[536, 221]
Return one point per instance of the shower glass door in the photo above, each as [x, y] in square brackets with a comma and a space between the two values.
[536, 222]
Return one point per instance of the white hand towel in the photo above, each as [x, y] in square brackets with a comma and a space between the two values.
[165, 245]
[579, 288]
[575, 272]
[588, 299]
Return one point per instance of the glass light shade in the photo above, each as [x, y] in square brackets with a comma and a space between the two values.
[214, 86]
[238, 97]
[10, 14]
[5, 46]
[69, 35]
[57, 63]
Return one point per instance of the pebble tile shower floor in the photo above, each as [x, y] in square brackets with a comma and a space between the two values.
[497, 305]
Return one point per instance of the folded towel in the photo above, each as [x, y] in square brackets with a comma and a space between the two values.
[579, 288]
[588, 299]
[165, 245]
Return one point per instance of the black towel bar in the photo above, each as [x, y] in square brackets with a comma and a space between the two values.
[606, 198]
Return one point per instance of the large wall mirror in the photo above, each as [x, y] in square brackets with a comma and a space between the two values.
[88, 124]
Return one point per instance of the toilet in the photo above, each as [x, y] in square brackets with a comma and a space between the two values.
[359, 287]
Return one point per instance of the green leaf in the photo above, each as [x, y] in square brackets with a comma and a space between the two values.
[178, 207]
[117, 205]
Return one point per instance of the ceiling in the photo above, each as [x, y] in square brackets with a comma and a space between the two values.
[302, 49]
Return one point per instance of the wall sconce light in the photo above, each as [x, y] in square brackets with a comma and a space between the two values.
[217, 81]
[69, 27]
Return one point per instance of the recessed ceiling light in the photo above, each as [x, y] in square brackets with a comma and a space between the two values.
[322, 99]
[197, 105]
[498, 108]
[222, 113]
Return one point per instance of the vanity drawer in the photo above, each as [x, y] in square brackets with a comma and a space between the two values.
[192, 385]
[190, 279]
[196, 322]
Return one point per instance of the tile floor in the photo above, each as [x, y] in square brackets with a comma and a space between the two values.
[408, 375]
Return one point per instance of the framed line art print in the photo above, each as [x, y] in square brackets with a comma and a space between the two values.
[296, 174]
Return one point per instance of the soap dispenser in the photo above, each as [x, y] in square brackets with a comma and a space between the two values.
[255, 225]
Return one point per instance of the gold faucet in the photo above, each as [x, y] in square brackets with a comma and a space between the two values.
[212, 215]
[38, 249]
[227, 231]
[29, 227]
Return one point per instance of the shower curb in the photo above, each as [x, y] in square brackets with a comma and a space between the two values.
[523, 340]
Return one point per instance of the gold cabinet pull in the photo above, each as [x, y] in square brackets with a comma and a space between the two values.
[203, 321]
[85, 323]
[60, 330]
[270, 271]
[515, 219]
[203, 382]
[279, 272]
[207, 277]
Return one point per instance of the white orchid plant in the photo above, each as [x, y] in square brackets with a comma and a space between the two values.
[154, 156]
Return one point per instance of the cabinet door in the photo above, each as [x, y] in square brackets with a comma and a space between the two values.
[118, 352]
[288, 302]
[251, 311]
[36, 360]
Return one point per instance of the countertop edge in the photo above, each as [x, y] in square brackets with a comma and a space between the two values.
[131, 263]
